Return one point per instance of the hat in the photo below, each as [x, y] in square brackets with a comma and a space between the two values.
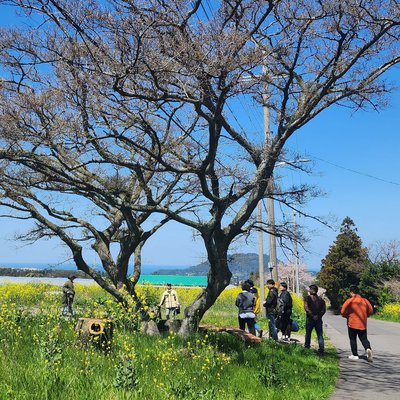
[72, 277]
[250, 282]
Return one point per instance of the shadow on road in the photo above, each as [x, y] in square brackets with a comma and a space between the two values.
[381, 376]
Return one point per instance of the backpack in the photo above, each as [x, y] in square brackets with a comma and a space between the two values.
[280, 307]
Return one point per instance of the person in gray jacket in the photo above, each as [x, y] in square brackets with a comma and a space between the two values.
[245, 301]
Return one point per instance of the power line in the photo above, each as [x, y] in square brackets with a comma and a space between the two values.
[357, 172]
[234, 117]
[210, 8]
[205, 12]
[250, 114]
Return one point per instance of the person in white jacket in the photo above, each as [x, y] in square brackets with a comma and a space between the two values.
[170, 300]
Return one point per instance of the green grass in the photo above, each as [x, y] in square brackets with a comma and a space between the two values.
[386, 317]
[40, 359]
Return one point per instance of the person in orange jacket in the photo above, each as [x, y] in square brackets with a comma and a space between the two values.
[357, 309]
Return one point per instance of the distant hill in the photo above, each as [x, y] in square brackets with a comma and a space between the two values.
[41, 273]
[240, 264]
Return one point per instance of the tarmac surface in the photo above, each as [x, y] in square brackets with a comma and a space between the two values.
[379, 380]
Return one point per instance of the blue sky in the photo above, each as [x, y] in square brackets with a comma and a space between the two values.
[367, 142]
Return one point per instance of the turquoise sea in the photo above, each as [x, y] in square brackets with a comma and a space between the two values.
[174, 280]
[146, 277]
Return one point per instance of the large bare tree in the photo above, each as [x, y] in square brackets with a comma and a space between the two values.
[62, 167]
[164, 79]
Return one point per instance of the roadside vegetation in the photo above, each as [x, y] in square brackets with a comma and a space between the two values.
[40, 356]
[389, 312]
[376, 270]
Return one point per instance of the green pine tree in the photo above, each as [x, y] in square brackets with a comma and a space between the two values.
[343, 264]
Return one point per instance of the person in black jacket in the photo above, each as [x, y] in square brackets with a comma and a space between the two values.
[315, 308]
[285, 320]
[245, 302]
[270, 306]
[68, 295]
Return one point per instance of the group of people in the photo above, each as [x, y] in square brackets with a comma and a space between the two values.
[279, 310]
[278, 307]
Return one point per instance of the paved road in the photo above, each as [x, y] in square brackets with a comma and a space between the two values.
[360, 379]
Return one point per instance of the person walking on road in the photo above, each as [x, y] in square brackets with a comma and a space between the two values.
[315, 308]
[245, 302]
[357, 309]
[270, 306]
[68, 295]
[170, 300]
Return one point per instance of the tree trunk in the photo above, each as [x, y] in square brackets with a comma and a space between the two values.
[219, 277]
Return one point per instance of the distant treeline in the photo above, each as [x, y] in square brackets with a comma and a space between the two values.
[41, 273]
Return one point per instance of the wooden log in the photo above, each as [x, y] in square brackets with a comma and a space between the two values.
[245, 336]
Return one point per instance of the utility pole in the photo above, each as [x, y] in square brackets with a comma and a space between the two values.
[273, 262]
[271, 236]
[261, 259]
[296, 252]
[273, 265]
